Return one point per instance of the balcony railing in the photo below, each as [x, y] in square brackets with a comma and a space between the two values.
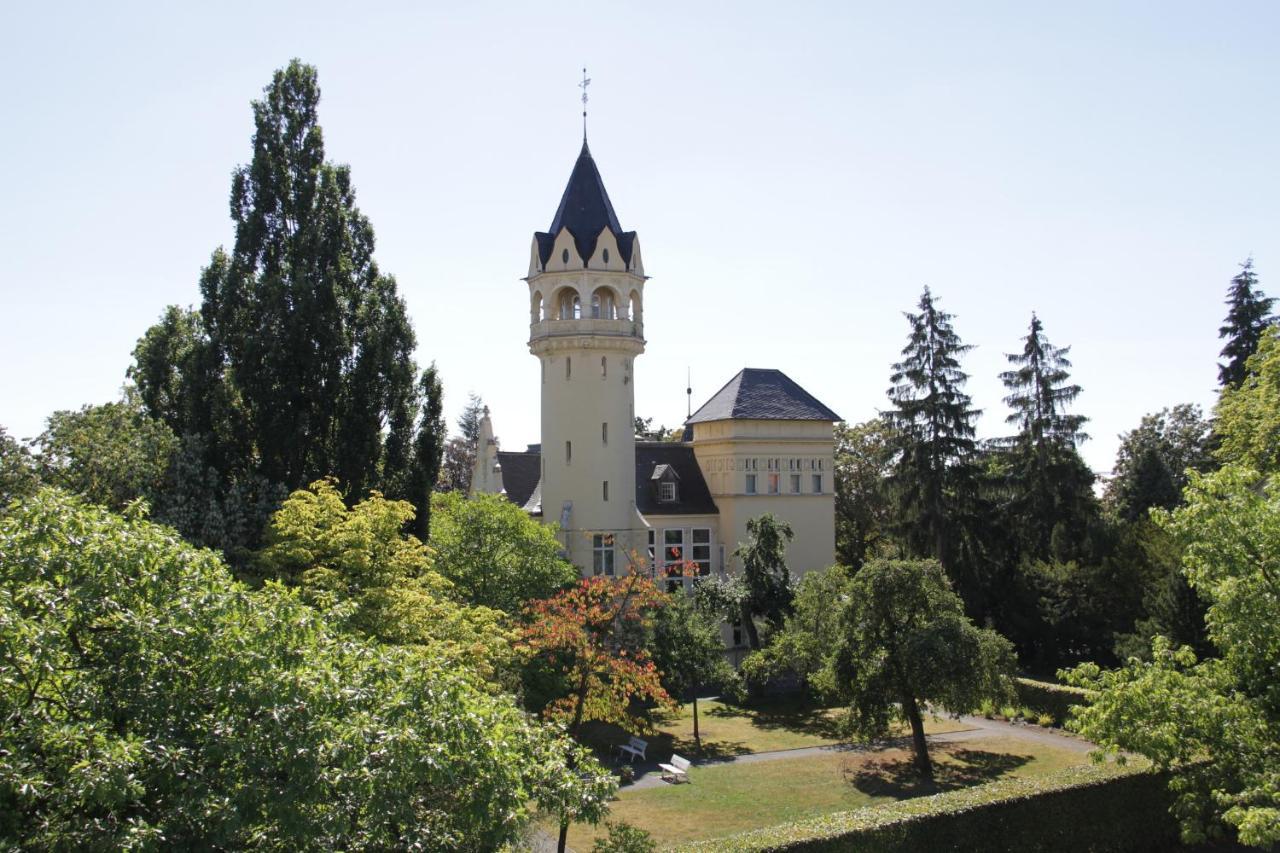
[615, 328]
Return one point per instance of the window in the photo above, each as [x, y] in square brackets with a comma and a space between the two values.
[568, 452]
[701, 537]
[604, 367]
[568, 367]
[774, 486]
[653, 539]
[605, 490]
[604, 433]
[795, 484]
[602, 554]
[673, 558]
[606, 256]
[817, 484]
[751, 484]
[564, 256]
[667, 492]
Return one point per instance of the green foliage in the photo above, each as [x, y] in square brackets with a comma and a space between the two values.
[906, 644]
[1047, 698]
[687, 649]
[864, 456]
[1091, 808]
[1248, 416]
[358, 566]
[151, 701]
[624, 838]
[1248, 318]
[111, 454]
[494, 553]
[1218, 719]
[808, 637]
[428, 452]
[766, 581]
[18, 475]
[1153, 459]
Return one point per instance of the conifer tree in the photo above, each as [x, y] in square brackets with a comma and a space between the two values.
[428, 450]
[1248, 315]
[1050, 489]
[934, 475]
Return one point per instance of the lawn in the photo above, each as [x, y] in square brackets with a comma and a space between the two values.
[734, 730]
[730, 798]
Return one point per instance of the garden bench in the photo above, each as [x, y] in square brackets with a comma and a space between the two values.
[677, 770]
[635, 748]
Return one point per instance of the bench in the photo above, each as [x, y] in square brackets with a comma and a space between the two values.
[634, 748]
[677, 771]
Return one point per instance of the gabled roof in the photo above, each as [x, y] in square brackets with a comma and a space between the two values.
[585, 210]
[763, 394]
[692, 497]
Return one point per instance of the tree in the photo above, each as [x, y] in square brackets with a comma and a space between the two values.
[1217, 720]
[151, 701]
[301, 364]
[428, 451]
[579, 634]
[688, 651]
[111, 454]
[1248, 318]
[1153, 460]
[906, 645]
[934, 476]
[1248, 416]
[455, 468]
[494, 553]
[765, 577]
[18, 476]
[359, 567]
[864, 457]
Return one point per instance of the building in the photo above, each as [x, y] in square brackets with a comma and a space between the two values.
[760, 444]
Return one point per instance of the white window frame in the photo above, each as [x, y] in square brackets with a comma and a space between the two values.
[795, 483]
[602, 554]
[751, 484]
[667, 491]
[700, 552]
[774, 483]
[668, 560]
[817, 484]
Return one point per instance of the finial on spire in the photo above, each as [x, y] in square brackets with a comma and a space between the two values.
[688, 393]
[586, 81]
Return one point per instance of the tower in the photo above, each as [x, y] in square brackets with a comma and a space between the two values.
[586, 326]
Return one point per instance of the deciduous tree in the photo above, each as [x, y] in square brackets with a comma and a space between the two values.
[1153, 459]
[765, 579]
[864, 458]
[1248, 416]
[688, 651]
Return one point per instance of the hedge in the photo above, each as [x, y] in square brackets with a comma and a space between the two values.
[1097, 807]
[1044, 697]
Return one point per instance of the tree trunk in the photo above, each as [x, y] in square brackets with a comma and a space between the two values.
[579, 706]
[697, 738]
[749, 625]
[921, 746]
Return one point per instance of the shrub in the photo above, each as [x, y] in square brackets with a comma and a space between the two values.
[1045, 720]
[1100, 807]
[624, 838]
[1055, 700]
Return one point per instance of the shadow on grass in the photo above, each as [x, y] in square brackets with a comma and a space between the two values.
[604, 739]
[786, 715]
[952, 769]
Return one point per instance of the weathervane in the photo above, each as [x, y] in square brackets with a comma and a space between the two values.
[586, 81]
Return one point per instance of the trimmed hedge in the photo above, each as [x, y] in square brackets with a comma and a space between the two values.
[1097, 807]
[1046, 698]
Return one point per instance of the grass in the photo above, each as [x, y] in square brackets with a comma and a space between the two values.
[729, 730]
[730, 798]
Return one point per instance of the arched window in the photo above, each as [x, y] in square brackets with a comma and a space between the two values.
[535, 307]
[603, 305]
[636, 308]
[570, 305]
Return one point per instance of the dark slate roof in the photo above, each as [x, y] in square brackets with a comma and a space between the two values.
[694, 498]
[761, 394]
[520, 475]
[585, 210]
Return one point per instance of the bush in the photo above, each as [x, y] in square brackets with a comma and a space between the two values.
[624, 838]
[1056, 700]
[1101, 807]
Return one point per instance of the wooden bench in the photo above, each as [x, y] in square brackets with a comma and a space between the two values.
[677, 771]
[634, 748]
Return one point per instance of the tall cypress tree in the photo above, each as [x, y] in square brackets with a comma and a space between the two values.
[934, 474]
[1248, 315]
[1049, 487]
[428, 450]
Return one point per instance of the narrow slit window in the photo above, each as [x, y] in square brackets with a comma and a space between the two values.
[568, 452]
[604, 433]
[568, 367]
[605, 490]
[604, 367]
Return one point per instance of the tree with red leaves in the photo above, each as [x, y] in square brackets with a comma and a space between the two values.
[583, 634]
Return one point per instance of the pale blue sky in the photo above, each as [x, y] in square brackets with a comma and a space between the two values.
[796, 173]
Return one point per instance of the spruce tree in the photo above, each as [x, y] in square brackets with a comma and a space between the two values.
[1248, 315]
[934, 476]
[1049, 487]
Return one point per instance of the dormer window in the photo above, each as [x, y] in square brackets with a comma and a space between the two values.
[667, 492]
[666, 484]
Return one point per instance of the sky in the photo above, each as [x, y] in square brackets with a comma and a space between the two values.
[797, 174]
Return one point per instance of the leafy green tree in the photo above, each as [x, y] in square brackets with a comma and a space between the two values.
[428, 451]
[455, 468]
[18, 476]
[907, 645]
[150, 701]
[1050, 488]
[494, 553]
[934, 475]
[358, 566]
[624, 838]
[864, 458]
[1153, 460]
[1248, 416]
[1216, 720]
[765, 578]
[1248, 317]
[111, 454]
[301, 363]
[688, 651]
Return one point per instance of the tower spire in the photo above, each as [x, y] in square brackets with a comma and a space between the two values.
[586, 81]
